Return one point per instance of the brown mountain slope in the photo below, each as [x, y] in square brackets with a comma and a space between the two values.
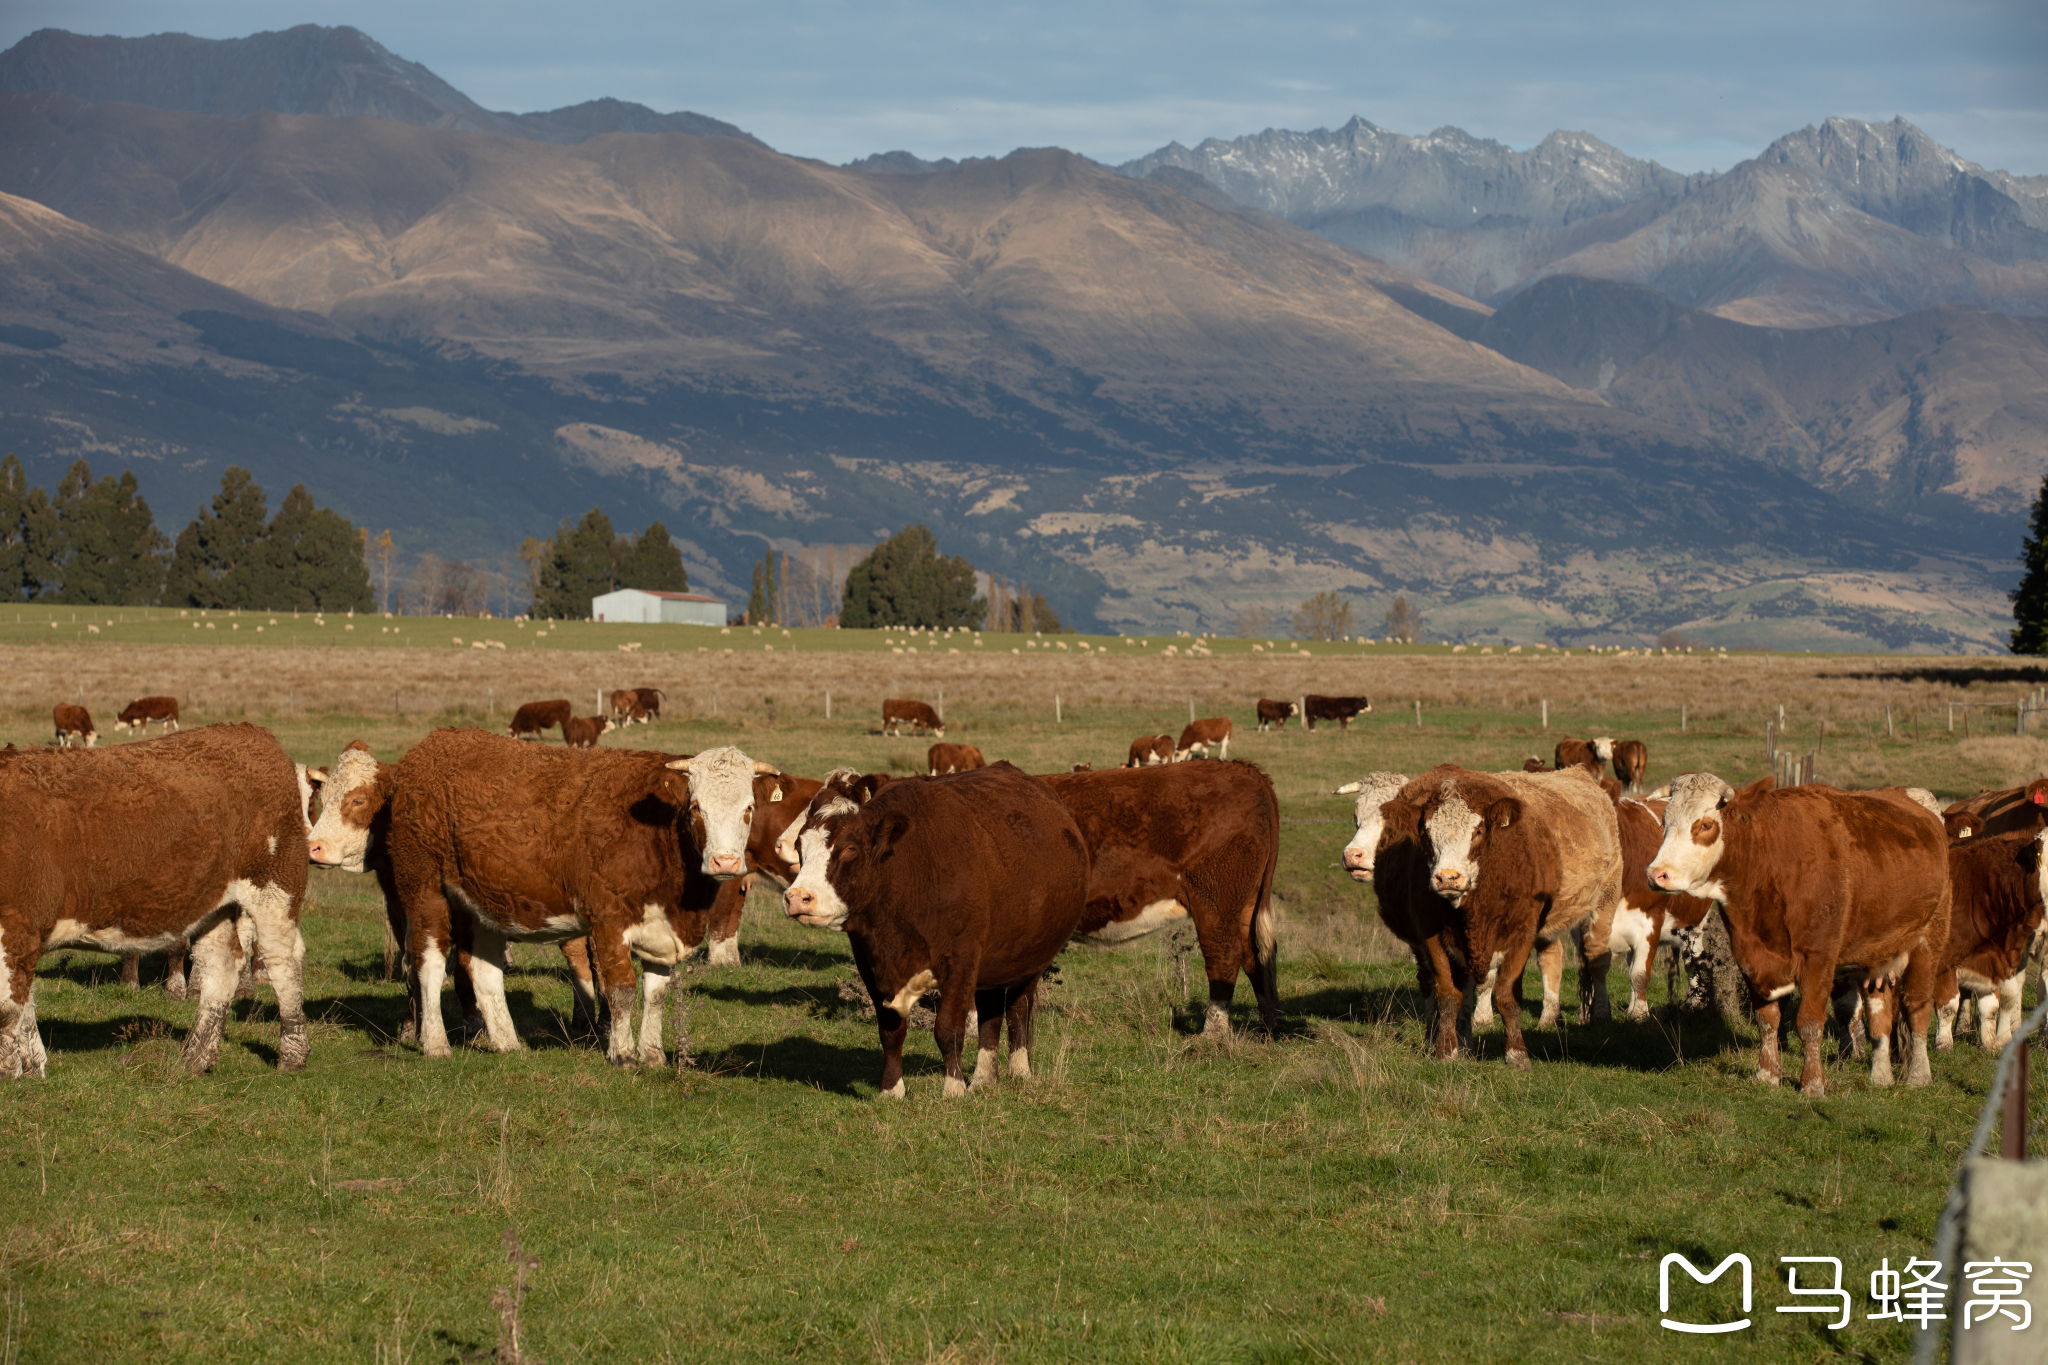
[1946, 403]
[1038, 282]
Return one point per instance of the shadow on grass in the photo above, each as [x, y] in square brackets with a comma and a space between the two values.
[851, 1071]
[805, 959]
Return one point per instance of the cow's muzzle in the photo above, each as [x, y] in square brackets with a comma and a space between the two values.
[1358, 862]
[1449, 881]
[802, 906]
[725, 865]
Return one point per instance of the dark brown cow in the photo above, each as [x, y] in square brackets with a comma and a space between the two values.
[971, 883]
[1150, 750]
[1809, 878]
[897, 713]
[1340, 709]
[536, 716]
[953, 758]
[1994, 925]
[140, 712]
[1276, 713]
[2007, 810]
[1198, 735]
[1631, 761]
[1195, 842]
[225, 840]
[581, 732]
[641, 704]
[1583, 753]
[778, 800]
[74, 723]
[1390, 851]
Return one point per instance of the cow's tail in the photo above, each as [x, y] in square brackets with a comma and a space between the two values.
[1264, 945]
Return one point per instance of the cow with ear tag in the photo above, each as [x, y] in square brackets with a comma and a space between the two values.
[971, 882]
[1810, 878]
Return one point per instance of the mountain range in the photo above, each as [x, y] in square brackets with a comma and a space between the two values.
[1154, 395]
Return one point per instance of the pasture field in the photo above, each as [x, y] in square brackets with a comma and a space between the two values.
[1331, 1195]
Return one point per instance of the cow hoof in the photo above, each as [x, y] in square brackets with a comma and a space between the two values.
[1881, 1076]
[174, 988]
[955, 1087]
[653, 1056]
[1519, 1061]
[723, 953]
[292, 1050]
[1767, 1077]
[440, 1049]
[894, 1092]
[1919, 1074]
[1638, 1014]
[1814, 1090]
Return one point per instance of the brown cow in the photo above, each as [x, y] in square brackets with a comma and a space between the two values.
[226, 840]
[536, 716]
[953, 758]
[1340, 709]
[1276, 713]
[492, 841]
[73, 723]
[1191, 842]
[1635, 924]
[140, 712]
[1149, 751]
[1994, 926]
[971, 883]
[641, 704]
[1390, 851]
[897, 713]
[1631, 760]
[1199, 735]
[1808, 878]
[581, 732]
[1583, 753]
[2006, 810]
[1526, 858]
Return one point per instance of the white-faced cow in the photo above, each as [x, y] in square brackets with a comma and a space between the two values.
[897, 713]
[953, 758]
[637, 704]
[1810, 878]
[971, 883]
[1276, 713]
[1587, 753]
[74, 726]
[582, 732]
[143, 710]
[1197, 736]
[1390, 851]
[1526, 858]
[226, 840]
[1149, 751]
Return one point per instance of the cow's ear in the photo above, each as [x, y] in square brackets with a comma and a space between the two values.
[1756, 788]
[891, 828]
[358, 744]
[2037, 791]
[864, 791]
[775, 795]
[1964, 824]
[1504, 812]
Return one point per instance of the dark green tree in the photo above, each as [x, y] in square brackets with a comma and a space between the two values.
[578, 566]
[219, 559]
[2030, 598]
[315, 559]
[653, 562]
[905, 581]
[30, 541]
[761, 603]
[113, 555]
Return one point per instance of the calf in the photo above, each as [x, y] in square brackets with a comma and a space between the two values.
[140, 712]
[225, 840]
[581, 732]
[2005, 811]
[953, 758]
[1809, 878]
[1276, 713]
[641, 704]
[1586, 753]
[1526, 858]
[1189, 842]
[536, 716]
[74, 723]
[1339, 709]
[972, 883]
[1390, 851]
[897, 713]
[1198, 735]
[1631, 761]
[491, 841]
[1150, 750]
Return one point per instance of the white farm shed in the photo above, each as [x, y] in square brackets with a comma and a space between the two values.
[642, 607]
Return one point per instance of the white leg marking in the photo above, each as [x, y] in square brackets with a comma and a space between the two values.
[433, 970]
[724, 952]
[487, 975]
[894, 1092]
[984, 1065]
[1020, 1063]
[955, 1087]
[655, 979]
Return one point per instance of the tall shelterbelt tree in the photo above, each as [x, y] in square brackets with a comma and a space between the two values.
[30, 544]
[905, 581]
[315, 559]
[113, 555]
[588, 559]
[653, 562]
[218, 560]
[2030, 598]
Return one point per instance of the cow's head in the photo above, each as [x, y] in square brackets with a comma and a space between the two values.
[779, 802]
[838, 844]
[1374, 790]
[1461, 821]
[1603, 749]
[352, 793]
[722, 806]
[841, 785]
[1962, 824]
[1694, 836]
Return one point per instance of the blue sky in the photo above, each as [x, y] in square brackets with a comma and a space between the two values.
[1695, 86]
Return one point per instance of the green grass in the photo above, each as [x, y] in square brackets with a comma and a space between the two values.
[1148, 1196]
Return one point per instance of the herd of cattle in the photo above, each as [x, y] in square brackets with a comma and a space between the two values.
[971, 880]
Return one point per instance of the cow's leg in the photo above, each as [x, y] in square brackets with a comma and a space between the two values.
[21, 1043]
[951, 1029]
[1768, 1069]
[1022, 1015]
[722, 934]
[1550, 968]
[1849, 1020]
[174, 970]
[487, 978]
[1595, 960]
[1440, 980]
[2009, 993]
[1916, 1003]
[21, 1050]
[131, 971]
[1948, 999]
[584, 1011]
[1642, 953]
[613, 964]
[655, 980]
[1223, 749]
[215, 955]
[1878, 1020]
[989, 1005]
[1816, 1002]
[273, 914]
[428, 943]
[245, 976]
[1507, 997]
